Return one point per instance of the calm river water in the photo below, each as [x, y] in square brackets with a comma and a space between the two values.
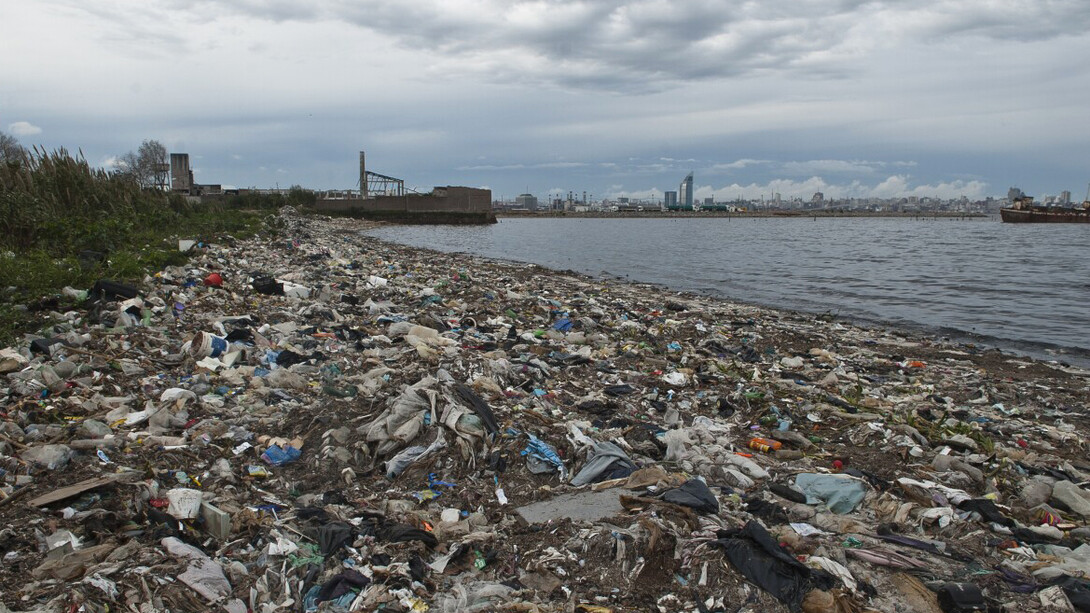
[1021, 287]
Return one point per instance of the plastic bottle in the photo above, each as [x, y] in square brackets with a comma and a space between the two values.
[764, 445]
[330, 376]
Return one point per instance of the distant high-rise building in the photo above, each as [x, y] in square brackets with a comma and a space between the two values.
[818, 198]
[709, 201]
[685, 192]
[1065, 197]
[1014, 193]
[526, 201]
[670, 200]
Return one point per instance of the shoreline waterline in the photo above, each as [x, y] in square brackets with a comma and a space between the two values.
[961, 305]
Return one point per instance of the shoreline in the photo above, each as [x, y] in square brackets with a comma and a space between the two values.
[501, 214]
[954, 340]
[413, 385]
[1039, 351]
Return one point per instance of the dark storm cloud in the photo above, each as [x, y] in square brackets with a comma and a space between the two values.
[647, 45]
[755, 96]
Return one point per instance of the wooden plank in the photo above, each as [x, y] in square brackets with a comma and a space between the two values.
[71, 490]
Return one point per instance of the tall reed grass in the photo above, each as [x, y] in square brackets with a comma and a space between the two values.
[55, 202]
[53, 206]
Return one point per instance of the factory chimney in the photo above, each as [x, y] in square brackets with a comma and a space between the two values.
[363, 177]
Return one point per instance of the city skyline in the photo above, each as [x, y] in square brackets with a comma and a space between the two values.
[677, 198]
[617, 98]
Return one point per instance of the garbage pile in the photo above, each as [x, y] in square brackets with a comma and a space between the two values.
[318, 421]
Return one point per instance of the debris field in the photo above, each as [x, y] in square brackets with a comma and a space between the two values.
[314, 420]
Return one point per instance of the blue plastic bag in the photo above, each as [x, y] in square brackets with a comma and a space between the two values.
[563, 325]
[543, 453]
[279, 456]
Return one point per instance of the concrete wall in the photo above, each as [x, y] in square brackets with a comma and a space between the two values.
[448, 199]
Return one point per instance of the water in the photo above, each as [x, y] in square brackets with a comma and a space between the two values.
[1021, 287]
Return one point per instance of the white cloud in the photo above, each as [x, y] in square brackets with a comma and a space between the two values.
[24, 128]
[894, 186]
[736, 165]
[542, 165]
[898, 186]
[824, 166]
[634, 194]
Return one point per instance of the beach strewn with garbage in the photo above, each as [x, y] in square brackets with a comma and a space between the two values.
[320, 421]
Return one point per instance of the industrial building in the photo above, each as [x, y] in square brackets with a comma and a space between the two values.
[181, 179]
[526, 201]
[385, 198]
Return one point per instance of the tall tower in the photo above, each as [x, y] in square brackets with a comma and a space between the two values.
[181, 177]
[685, 192]
[363, 176]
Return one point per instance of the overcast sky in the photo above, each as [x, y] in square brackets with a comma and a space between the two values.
[847, 97]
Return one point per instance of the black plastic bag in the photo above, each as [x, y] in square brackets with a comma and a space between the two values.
[401, 533]
[268, 286]
[111, 290]
[488, 418]
[243, 335]
[694, 494]
[961, 598]
[757, 556]
[786, 492]
[333, 536]
[771, 512]
[287, 357]
[987, 510]
[45, 345]
[347, 580]
[618, 390]
[1077, 591]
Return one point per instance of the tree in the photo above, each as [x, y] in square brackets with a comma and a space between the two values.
[148, 166]
[300, 196]
[10, 149]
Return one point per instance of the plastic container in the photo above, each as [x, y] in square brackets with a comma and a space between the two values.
[207, 345]
[294, 290]
[184, 503]
[764, 445]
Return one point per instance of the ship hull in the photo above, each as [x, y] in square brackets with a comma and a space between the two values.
[1032, 216]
